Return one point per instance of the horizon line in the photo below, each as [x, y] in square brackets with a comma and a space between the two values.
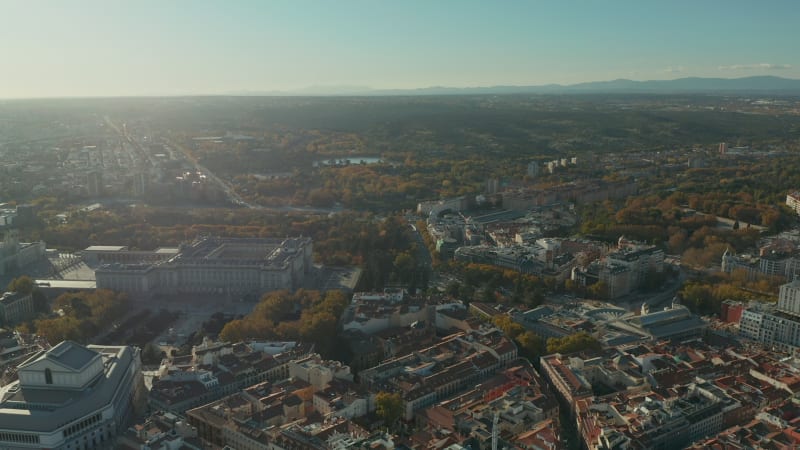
[364, 91]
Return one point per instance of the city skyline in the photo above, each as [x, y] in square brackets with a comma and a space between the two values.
[92, 48]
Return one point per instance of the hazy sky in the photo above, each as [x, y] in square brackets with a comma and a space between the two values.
[171, 47]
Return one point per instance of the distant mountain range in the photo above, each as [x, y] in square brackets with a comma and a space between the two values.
[693, 85]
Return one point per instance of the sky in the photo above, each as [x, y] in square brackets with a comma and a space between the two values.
[76, 48]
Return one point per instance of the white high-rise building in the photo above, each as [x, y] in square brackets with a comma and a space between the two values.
[789, 297]
[773, 329]
[777, 327]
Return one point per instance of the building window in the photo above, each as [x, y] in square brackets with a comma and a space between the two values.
[48, 376]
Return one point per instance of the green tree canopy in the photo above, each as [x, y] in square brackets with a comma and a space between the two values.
[531, 345]
[510, 328]
[84, 314]
[303, 315]
[23, 284]
[389, 407]
[573, 343]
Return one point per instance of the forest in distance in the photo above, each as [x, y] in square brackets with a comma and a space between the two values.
[429, 147]
[422, 148]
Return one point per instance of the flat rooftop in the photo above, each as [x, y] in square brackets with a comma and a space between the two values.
[105, 248]
[67, 284]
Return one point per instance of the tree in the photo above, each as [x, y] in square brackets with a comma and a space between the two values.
[404, 266]
[59, 329]
[26, 285]
[510, 328]
[319, 328]
[151, 354]
[573, 343]
[598, 290]
[234, 331]
[276, 317]
[85, 314]
[23, 285]
[531, 345]
[389, 407]
[79, 308]
[276, 306]
[534, 299]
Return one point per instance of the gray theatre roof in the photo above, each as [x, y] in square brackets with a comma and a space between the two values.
[37, 410]
[67, 354]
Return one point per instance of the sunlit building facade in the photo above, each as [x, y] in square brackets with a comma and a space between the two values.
[215, 266]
